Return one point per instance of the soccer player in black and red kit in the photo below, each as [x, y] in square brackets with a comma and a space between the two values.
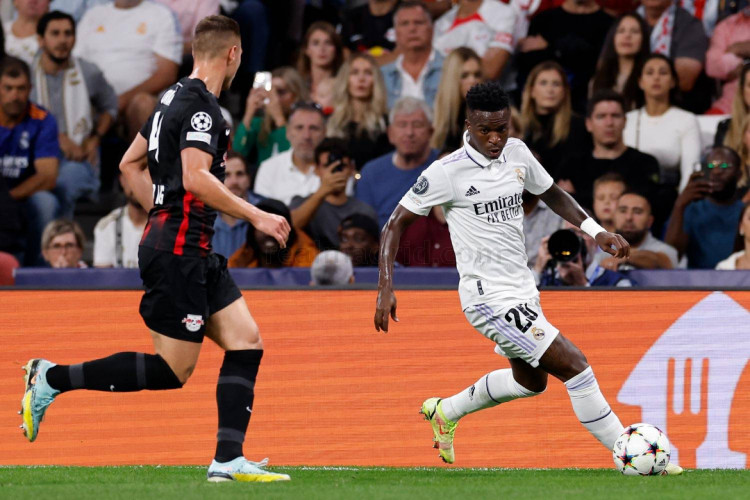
[176, 167]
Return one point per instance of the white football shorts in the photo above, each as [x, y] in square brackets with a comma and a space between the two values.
[519, 331]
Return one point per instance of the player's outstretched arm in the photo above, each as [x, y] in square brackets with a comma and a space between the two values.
[198, 179]
[566, 207]
[390, 237]
[134, 166]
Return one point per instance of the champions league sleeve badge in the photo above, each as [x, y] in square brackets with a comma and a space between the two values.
[421, 186]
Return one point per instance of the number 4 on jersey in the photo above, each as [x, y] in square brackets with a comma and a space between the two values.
[153, 138]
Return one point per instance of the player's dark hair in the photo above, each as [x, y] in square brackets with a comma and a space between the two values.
[601, 96]
[14, 67]
[332, 145]
[275, 207]
[411, 4]
[55, 15]
[487, 96]
[213, 33]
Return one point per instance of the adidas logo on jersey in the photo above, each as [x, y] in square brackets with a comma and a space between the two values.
[472, 191]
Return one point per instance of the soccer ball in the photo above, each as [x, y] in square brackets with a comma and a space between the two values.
[641, 450]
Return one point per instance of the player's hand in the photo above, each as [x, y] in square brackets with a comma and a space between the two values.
[607, 240]
[273, 225]
[385, 306]
[331, 181]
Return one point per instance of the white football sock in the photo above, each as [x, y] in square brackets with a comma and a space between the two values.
[491, 390]
[592, 409]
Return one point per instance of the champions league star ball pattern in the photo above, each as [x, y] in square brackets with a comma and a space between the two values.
[641, 450]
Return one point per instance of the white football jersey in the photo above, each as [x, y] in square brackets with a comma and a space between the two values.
[492, 26]
[482, 202]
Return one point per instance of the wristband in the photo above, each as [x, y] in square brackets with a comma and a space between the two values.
[590, 227]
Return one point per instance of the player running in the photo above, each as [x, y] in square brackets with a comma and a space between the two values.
[480, 187]
[189, 292]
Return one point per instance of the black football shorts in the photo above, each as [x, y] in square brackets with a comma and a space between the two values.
[183, 292]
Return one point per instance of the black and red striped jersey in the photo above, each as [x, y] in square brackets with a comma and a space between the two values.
[187, 116]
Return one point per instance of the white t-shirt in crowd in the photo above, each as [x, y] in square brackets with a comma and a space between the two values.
[22, 48]
[672, 138]
[279, 179]
[492, 26]
[124, 43]
[105, 240]
[482, 203]
[730, 263]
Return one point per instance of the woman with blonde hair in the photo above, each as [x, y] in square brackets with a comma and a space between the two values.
[265, 135]
[730, 132]
[320, 55]
[359, 109]
[461, 70]
[549, 126]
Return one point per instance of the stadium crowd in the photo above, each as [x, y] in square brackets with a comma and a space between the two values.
[639, 109]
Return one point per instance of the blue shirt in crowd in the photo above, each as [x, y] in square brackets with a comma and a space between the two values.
[383, 184]
[228, 239]
[711, 229]
[35, 137]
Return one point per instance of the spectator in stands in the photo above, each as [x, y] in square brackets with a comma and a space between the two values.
[605, 120]
[416, 70]
[607, 190]
[740, 259]
[539, 221]
[385, 179]
[75, 8]
[229, 233]
[320, 55]
[678, 36]
[573, 35]
[265, 136]
[62, 244]
[730, 131]
[706, 214]
[427, 242]
[84, 104]
[369, 27]
[659, 128]
[320, 213]
[189, 13]
[118, 234]
[633, 220]
[485, 26]
[580, 271]
[359, 238]
[138, 46]
[549, 126]
[730, 47]
[745, 161]
[262, 250]
[20, 34]
[462, 69]
[359, 114]
[332, 268]
[625, 50]
[30, 153]
[292, 173]
[324, 95]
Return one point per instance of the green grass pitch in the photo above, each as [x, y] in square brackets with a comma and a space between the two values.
[184, 483]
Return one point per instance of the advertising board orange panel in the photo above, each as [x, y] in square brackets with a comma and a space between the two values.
[332, 391]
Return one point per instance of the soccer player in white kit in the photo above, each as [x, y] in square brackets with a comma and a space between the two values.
[480, 186]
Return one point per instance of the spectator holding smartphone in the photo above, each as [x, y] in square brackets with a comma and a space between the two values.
[265, 135]
[320, 213]
[705, 216]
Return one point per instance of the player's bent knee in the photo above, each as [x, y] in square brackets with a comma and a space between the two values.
[534, 389]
